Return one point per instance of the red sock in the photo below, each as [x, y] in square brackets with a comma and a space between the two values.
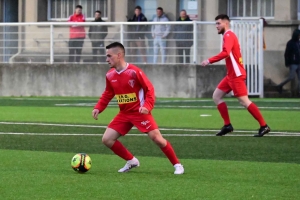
[169, 152]
[253, 109]
[121, 151]
[223, 110]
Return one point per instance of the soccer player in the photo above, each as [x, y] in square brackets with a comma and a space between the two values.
[135, 95]
[235, 79]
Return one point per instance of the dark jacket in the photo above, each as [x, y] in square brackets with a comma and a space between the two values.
[292, 51]
[137, 31]
[98, 32]
[184, 33]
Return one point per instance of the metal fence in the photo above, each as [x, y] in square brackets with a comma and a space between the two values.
[151, 42]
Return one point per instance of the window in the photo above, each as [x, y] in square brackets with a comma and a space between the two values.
[251, 8]
[62, 9]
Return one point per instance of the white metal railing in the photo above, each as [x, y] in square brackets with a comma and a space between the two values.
[186, 43]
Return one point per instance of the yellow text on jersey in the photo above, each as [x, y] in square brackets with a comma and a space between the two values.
[126, 98]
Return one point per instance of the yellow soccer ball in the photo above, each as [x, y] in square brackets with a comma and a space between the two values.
[81, 162]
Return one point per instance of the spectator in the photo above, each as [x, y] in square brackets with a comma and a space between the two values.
[77, 35]
[137, 34]
[292, 60]
[160, 33]
[184, 37]
[97, 34]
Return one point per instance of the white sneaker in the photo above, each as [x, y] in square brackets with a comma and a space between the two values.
[134, 162]
[178, 169]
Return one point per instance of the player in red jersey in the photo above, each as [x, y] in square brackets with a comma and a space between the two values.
[135, 95]
[235, 79]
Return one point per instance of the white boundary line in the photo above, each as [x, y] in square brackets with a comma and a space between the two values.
[162, 129]
[141, 134]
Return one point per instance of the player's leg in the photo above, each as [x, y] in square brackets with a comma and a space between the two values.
[167, 149]
[71, 50]
[147, 124]
[240, 90]
[222, 89]
[163, 50]
[119, 126]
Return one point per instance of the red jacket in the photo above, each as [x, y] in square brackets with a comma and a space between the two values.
[75, 30]
[131, 87]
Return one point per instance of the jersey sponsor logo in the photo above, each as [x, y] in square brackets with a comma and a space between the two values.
[131, 82]
[114, 81]
[126, 98]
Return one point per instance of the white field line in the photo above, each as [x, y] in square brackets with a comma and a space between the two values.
[160, 101]
[162, 129]
[141, 134]
[114, 104]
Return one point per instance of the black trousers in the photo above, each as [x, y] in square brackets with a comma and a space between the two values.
[180, 50]
[98, 52]
[75, 48]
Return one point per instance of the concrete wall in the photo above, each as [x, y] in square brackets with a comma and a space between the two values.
[89, 80]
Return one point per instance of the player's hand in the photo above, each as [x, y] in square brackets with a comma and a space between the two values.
[95, 114]
[143, 110]
[205, 63]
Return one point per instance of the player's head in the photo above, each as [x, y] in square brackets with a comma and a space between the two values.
[115, 53]
[222, 23]
[78, 9]
[137, 10]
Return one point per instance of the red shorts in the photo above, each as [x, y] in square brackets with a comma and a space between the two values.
[237, 85]
[122, 123]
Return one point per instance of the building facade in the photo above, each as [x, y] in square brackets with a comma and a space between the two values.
[282, 18]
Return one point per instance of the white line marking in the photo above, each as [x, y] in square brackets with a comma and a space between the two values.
[141, 134]
[160, 101]
[114, 104]
[162, 129]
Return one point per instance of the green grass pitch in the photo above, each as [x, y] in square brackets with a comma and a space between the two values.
[39, 136]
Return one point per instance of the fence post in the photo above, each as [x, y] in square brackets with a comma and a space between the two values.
[122, 33]
[195, 42]
[261, 59]
[51, 44]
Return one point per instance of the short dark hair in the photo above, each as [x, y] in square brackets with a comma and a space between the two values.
[116, 44]
[222, 16]
[98, 11]
[138, 7]
[160, 8]
[79, 6]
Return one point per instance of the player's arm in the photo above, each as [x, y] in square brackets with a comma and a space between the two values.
[105, 98]
[226, 50]
[149, 92]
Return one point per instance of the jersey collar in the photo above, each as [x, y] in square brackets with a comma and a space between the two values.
[127, 64]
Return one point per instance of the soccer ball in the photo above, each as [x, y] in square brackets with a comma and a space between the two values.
[81, 162]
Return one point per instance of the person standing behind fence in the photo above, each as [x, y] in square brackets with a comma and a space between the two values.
[184, 37]
[97, 34]
[292, 60]
[159, 34]
[77, 35]
[137, 34]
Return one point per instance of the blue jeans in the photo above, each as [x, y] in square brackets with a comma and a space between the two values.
[294, 69]
[161, 43]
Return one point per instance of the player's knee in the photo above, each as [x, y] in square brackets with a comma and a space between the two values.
[107, 141]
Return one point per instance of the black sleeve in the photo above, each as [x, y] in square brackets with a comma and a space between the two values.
[288, 54]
